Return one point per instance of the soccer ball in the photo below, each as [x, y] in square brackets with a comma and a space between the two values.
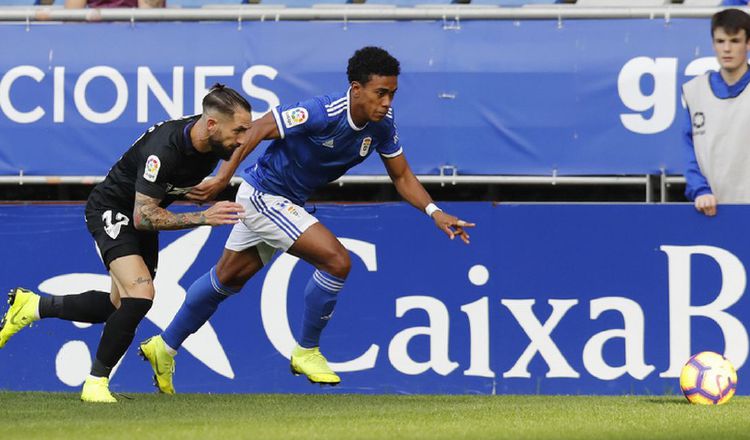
[708, 378]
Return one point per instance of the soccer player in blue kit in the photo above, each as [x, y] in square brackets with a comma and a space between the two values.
[315, 142]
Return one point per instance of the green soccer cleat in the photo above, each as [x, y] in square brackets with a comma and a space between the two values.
[311, 363]
[96, 390]
[155, 352]
[24, 305]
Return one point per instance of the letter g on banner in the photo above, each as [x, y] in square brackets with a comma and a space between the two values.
[662, 100]
[273, 305]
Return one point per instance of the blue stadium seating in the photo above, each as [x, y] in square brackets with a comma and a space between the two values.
[409, 2]
[301, 3]
[419, 3]
[623, 3]
[514, 3]
[201, 3]
[18, 2]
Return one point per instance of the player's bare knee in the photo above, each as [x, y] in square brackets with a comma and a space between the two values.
[141, 287]
[234, 269]
[339, 264]
[234, 275]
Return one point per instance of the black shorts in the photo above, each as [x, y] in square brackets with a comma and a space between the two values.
[116, 237]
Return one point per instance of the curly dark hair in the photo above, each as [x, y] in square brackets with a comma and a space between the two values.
[732, 21]
[224, 100]
[371, 61]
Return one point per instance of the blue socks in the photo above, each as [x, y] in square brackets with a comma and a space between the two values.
[202, 299]
[206, 293]
[321, 294]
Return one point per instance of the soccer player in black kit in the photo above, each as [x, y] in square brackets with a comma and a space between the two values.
[124, 214]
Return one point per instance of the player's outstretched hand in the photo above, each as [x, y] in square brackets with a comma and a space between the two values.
[206, 190]
[452, 226]
[706, 204]
[224, 213]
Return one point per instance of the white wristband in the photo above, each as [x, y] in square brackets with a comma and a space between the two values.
[431, 208]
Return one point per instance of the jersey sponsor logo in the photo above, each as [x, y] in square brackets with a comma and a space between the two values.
[294, 117]
[328, 143]
[113, 229]
[152, 168]
[365, 147]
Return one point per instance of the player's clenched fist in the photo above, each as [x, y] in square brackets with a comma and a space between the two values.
[706, 204]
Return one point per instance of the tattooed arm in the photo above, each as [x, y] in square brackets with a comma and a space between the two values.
[149, 216]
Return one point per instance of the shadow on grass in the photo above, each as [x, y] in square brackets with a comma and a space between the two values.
[668, 401]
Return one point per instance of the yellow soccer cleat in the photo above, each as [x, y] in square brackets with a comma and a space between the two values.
[155, 352]
[96, 390]
[311, 363]
[24, 305]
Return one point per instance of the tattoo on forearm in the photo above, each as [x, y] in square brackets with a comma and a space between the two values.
[148, 215]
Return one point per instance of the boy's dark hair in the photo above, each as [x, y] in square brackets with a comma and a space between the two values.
[732, 21]
[224, 100]
[371, 61]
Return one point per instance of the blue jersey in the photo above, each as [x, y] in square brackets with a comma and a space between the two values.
[319, 143]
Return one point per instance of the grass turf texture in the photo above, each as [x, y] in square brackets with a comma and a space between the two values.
[201, 416]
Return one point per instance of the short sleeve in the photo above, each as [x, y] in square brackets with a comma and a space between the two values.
[301, 118]
[154, 173]
[391, 146]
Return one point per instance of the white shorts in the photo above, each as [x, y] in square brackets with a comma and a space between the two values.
[271, 222]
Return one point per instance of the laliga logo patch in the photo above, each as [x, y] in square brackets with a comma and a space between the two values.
[152, 168]
[294, 117]
[365, 148]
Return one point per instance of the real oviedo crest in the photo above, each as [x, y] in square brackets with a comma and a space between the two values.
[365, 148]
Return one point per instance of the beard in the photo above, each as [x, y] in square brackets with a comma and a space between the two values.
[219, 149]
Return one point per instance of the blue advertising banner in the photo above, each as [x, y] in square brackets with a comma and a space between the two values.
[487, 97]
[604, 299]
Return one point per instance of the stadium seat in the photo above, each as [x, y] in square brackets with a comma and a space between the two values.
[201, 3]
[350, 6]
[18, 3]
[622, 3]
[306, 3]
[410, 3]
[514, 3]
[702, 3]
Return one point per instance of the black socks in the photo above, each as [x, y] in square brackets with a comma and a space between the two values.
[92, 306]
[118, 334]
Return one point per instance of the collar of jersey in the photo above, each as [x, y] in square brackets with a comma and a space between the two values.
[722, 90]
[349, 113]
[189, 147]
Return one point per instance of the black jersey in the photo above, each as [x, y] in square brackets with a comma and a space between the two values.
[162, 164]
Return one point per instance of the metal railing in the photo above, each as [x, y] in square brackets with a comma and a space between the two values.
[351, 12]
[441, 179]
[452, 13]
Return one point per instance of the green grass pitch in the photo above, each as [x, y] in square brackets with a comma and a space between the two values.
[308, 417]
